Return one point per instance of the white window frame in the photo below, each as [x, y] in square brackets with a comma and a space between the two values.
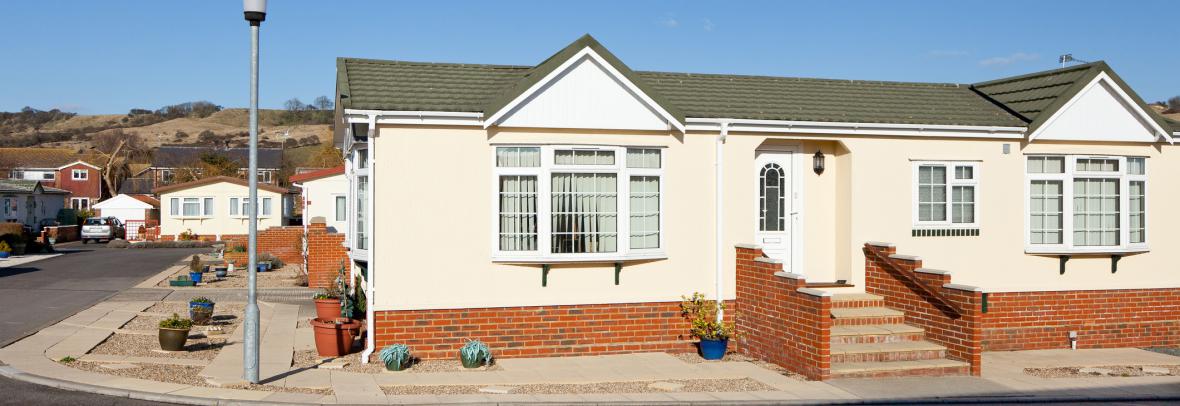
[80, 202]
[356, 230]
[336, 207]
[1067, 195]
[179, 213]
[951, 182]
[242, 201]
[85, 174]
[544, 174]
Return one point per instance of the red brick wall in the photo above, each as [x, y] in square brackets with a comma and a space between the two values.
[779, 324]
[536, 331]
[1102, 318]
[326, 254]
[952, 320]
[80, 188]
[324, 257]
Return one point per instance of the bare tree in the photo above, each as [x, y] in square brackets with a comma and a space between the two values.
[1174, 103]
[323, 103]
[117, 148]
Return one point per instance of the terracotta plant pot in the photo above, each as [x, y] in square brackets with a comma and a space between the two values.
[173, 339]
[333, 337]
[327, 309]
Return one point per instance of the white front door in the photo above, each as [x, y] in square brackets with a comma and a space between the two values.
[775, 207]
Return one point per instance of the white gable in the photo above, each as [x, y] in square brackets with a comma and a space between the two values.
[122, 202]
[1100, 112]
[585, 92]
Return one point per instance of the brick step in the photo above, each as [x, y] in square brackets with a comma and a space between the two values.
[851, 300]
[876, 333]
[932, 367]
[862, 316]
[887, 352]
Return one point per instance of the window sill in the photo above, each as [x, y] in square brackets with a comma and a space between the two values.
[1086, 251]
[193, 217]
[579, 259]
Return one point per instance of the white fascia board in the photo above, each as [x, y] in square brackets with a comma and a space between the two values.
[77, 162]
[414, 117]
[1102, 76]
[871, 129]
[587, 51]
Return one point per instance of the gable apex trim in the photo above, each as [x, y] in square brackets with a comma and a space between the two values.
[1122, 94]
[568, 64]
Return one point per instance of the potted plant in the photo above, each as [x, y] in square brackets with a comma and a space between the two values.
[174, 332]
[395, 357]
[220, 271]
[475, 354]
[181, 280]
[714, 334]
[194, 269]
[200, 309]
[334, 336]
[327, 303]
[5, 249]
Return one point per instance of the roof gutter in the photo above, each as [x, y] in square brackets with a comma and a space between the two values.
[848, 128]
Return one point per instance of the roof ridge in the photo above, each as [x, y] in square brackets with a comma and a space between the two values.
[809, 79]
[425, 63]
[1026, 76]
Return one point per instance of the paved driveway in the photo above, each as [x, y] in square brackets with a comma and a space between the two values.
[38, 294]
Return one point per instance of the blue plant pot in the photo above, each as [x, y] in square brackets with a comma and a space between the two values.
[195, 276]
[714, 349]
[192, 305]
[4, 254]
[263, 267]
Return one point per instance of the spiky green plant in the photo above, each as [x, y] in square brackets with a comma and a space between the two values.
[395, 356]
[476, 350]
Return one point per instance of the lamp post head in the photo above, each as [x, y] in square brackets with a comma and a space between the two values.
[255, 11]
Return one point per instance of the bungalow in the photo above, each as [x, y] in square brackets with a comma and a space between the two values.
[171, 162]
[579, 199]
[325, 194]
[30, 203]
[216, 208]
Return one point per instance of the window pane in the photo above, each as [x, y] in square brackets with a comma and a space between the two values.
[175, 210]
[266, 206]
[517, 157]
[518, 213]
[362, 184]
[1045, 212]
[1046, 164]
[643, 158]
[964, 172]
[963, 204]
[191, 206]
[1096, 211]
[341, 208]
[645, 212]
[233, 206]
[1097, 165]
[208, 207]
[1136, 166]
[583, 157]
[584, 214]
[1137, 213]
[932, 193]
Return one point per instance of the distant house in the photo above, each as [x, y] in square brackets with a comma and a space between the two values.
[129, 208]
[216, 208]
[141, 186]
[29, 202]
[76, 173]
[169, 161]
[325, 194]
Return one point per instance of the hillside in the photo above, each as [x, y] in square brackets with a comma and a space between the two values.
[228, 126]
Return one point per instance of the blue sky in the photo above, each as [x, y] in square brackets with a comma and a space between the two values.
[95, 57]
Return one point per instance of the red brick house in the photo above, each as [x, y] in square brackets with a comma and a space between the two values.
[78, 173]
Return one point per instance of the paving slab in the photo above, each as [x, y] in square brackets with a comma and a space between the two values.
[291, 397]
[356, 388]
[222, 393]
[921, 387]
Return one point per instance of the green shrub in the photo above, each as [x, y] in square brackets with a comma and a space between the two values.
[702, 314]
[397, 354]
[200, 299]
[175, 322]
[476, 350]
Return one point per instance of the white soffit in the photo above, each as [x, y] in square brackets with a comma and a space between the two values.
[1102, 111]
[585, 92]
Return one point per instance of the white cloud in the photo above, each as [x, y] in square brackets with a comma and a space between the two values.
[709, 25]
[1008, 60]
[670, 21]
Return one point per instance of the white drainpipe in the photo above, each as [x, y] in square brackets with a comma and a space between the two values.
[719, 172]
[370, 154]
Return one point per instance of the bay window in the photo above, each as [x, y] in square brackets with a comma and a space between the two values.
[1086, 204]
[191, 207]
[570, 203]
[240, 207]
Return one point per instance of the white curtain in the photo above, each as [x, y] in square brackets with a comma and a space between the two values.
[585, 210]
[518, 213]
[518, 157]
[1137, 212]
[1096, 211]
[645, 212]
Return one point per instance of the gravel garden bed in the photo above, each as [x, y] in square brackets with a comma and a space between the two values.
[310, 359]
[185, 375]
[691, 385]
[287, 276]
[198, 346]
[694, 358]
[1102, 372]
[1173, 351]
[225, 315]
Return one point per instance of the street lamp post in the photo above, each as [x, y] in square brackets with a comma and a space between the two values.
[255, 11]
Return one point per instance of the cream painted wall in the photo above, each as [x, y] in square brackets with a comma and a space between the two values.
[434, 218]
[321, 196]
[220, 223]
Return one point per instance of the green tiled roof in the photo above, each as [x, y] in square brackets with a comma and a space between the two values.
[25, 186]
[1011, 102]
[1036, 96]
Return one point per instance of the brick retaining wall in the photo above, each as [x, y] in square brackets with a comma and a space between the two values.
[1102, 319]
